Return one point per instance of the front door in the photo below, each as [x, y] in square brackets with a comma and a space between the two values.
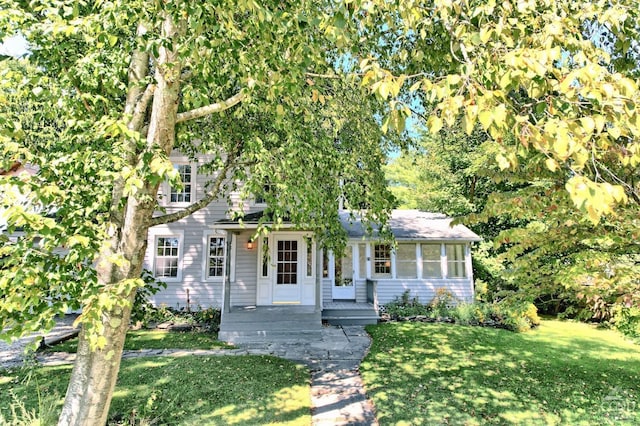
[287, 276]
[343, 285]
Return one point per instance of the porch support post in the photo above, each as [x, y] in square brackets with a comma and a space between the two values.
[226, 304]
[319, 257]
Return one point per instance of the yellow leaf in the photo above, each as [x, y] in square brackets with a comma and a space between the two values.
[588, 124]
[280, 110]
[599, 122]
[503, 163]
[485, 118]
[434, 123]
[551, 164]
[485, 34]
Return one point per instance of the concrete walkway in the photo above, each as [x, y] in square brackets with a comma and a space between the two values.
[337, 393]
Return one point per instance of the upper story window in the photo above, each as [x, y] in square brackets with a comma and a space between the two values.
[382, 260]
[184, 192]
[260, 198]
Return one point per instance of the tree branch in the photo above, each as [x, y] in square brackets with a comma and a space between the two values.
[210, 109]
[210, 196]
[140, 109]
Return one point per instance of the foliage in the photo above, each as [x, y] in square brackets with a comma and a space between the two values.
[217, 390]
[142, 309]
[543, 79]
[559, 373]
[444, 307]
[449, 173]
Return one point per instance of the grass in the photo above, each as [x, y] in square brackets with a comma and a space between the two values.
[218, 390]
[156, 339]
[559, 373]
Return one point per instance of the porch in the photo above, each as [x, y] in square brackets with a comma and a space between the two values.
[290, 323]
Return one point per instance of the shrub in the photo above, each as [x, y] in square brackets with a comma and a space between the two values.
[143, 311]
[405, 306]
[514, 316]
[626, 319]
[443, 301]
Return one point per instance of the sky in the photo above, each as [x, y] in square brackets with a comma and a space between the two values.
[14, 46]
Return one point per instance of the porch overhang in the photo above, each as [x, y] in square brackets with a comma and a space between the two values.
[251, 221]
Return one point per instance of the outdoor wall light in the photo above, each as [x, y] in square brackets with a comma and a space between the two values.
[250, 245]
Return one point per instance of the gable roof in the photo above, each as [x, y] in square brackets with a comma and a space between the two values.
[413, 225]
[405, 225]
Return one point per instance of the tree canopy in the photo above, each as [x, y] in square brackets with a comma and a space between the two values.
[272, 91]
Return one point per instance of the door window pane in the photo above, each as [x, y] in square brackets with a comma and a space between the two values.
[287, 263]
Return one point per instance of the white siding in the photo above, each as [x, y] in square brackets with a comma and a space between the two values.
[243, 290]
[424, 290]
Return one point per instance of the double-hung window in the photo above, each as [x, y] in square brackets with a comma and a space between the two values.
[382, 260]
[167, 257]
[214, 256]
[183, 193]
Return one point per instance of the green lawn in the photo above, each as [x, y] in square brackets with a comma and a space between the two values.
[560, 373]
[199, 390]
[157, 339]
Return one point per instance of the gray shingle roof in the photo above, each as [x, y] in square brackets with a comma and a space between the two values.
[414, 225]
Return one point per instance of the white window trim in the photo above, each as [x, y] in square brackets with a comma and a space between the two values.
[205, 255]
[165, 233]
[166, 186]
[382, 276]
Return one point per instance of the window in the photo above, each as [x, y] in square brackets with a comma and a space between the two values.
[265, 257]
[287, 262]
[309, 245]
[325, 263]
[362, 261]
[167, 257]
[215, 251]
[455, 261]
[344, 269]
[382, 260]
[182, 194]
[406, 261]
[261, 197]
[431, 266]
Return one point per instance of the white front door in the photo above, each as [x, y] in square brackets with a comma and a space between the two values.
[287, 272]
[343, 284]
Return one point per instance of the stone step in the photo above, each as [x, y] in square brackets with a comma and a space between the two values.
[351, 319]
[271, 325]
[331, 312]
[269, 317]
[259, 336]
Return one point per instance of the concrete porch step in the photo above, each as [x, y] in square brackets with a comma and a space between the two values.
[349, 313]
[267, 336]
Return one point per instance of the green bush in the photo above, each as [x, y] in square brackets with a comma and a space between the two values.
[514, 316]
[143, 311]
[626, 319]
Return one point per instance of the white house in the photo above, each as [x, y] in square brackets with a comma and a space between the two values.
[284, 281]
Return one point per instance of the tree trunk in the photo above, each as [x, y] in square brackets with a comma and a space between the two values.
[95, 372]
